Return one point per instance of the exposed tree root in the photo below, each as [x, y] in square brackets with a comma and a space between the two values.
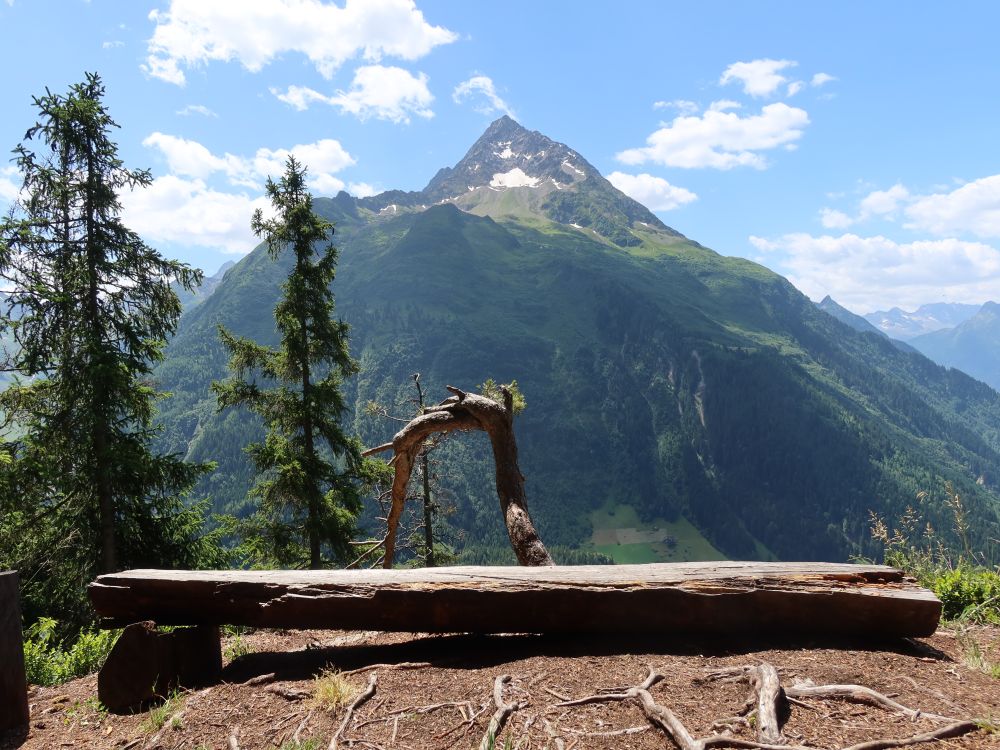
[261, 679]
[860, 694]
[770, 702]
[769, 705]
[500, 716]
[289, 694]
[365, 696]
[553, 735]
[297, 737]
[400, 665]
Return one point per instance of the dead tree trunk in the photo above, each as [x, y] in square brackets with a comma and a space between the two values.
[468, 411]
[13, 691]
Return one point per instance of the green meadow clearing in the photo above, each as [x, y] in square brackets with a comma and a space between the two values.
[621, 535]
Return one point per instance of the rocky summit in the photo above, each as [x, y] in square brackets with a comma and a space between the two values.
[511, 171]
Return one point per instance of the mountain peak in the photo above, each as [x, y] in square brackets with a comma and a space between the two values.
[509, 155]
[513, 171]
[503, 127]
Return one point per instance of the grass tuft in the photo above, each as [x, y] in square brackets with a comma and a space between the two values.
[161, 714]
[331, 690]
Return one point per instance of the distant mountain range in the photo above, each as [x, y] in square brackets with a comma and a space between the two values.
[972, 346]
[681, 403]
[966, 337]
[208, 285]
[936, 316]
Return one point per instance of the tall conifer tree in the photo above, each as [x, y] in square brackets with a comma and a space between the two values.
[89, 305]
[308, 468]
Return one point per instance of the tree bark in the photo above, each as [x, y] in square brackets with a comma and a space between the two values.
[468, 411]
[428, 514]
[429, 561]
[13, 690]
[313, 524]
[99, 406]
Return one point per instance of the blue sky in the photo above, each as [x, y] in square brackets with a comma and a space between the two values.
[851, 147]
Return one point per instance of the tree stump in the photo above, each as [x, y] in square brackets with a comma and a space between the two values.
[13, 689]
[468, 411]
[146, 664]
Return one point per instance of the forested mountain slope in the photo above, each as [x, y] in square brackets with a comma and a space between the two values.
[660, 376]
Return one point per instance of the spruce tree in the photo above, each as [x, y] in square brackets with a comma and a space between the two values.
[89, 305]
[309, 469]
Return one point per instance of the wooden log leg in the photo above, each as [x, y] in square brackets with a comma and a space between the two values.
[146, 664]
[13, 690]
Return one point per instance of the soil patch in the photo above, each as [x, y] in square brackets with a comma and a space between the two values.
[438, 692]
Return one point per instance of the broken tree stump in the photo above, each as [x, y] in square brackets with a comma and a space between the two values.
[146, 664]
[13, 689]
[705, 597]
[467, 411]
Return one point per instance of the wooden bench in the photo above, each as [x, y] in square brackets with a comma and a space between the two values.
[714, 597]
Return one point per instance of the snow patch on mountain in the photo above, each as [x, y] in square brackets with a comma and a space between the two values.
[514, 178]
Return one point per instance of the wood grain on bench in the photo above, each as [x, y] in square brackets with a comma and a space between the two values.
[704, 597]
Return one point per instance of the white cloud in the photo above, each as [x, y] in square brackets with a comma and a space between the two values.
[191, 159]
[972, 208]
[654, 193]
[10, 185]
[862, 273]
[361, 189]
[188, 212]
[879, 204]
[183, 208]
[383, 92]
[321, 159]
[326, 184]
[794, 87]
[820, 78]
[196, 109]
[482, 89]
[833, 219]
[724, 104]
[300, 97]
[191, 33]
[112, 44]
[883, 203]
[758, 77]
[684, 106]
[721, 140]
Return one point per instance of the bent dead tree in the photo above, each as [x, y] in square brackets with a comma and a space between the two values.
[468, 411]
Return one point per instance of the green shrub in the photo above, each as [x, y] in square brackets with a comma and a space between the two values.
[969, 594]
[969, 590]
[48, 661]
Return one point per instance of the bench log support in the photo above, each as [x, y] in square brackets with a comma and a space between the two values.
[13, 689]
[146, 664]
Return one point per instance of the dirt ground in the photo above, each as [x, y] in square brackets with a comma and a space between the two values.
[438, 692]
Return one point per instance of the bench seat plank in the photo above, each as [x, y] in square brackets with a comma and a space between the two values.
[701, 597]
